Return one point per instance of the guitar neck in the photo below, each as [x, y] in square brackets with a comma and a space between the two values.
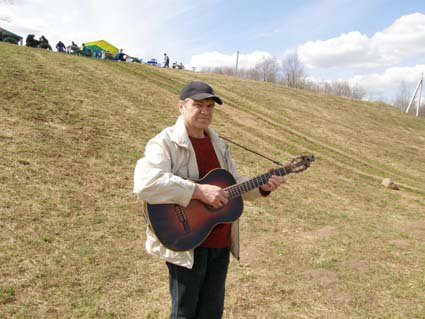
[237, 190]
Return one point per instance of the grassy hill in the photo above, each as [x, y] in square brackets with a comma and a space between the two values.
[332, 243]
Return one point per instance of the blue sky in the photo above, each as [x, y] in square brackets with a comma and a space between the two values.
[375, 44]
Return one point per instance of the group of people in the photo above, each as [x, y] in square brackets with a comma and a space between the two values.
[73, 48]
[83, 51]
[41, 43]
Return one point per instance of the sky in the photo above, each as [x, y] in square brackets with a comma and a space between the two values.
[375, 44]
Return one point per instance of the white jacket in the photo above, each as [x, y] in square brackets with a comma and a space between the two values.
[166, 174]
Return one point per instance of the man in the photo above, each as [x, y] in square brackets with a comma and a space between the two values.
[60, 47]
[166, 61]
[173, 160]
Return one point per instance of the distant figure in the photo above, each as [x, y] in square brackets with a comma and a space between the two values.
[31, 41]
[60, 47]
[109, 55]
[44, 43]
[120, 56]
[180, 66]
[86, 51]
[97, 54]
[166, 61]
[1, 36]
[75, 49]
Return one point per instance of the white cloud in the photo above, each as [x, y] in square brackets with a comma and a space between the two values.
[382, 85]
[217, 59]
[146, 28]
[12, 19]
[387, 84]
[405, 38]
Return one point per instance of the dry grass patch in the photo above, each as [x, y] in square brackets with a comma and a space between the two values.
[333, 243]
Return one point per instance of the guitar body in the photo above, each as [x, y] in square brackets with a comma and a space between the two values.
[181, 229]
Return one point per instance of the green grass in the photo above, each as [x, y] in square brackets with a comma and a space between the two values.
[332, 243]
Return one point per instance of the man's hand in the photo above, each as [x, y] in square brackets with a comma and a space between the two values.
[273, 183]
[211, 195]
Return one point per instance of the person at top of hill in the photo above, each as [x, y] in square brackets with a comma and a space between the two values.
[44, 43]
[31, 41]
[75, 49]
[121, 56]
[173, 160]
[86, 51]
[166, 61]
[60, 47]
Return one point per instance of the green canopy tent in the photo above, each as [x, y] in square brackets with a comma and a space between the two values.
[10, 37]
[101, 45]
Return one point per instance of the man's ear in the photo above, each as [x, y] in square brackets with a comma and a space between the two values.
[180, 106]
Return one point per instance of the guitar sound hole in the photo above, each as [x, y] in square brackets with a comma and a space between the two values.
[211, 209]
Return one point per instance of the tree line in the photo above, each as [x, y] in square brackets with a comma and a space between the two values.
[290, 72]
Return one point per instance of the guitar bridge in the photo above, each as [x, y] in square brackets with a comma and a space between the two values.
[181, 216]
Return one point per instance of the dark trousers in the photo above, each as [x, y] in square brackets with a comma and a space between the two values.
[199, 292]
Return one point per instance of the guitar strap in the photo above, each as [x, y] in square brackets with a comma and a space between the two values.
[254, 152]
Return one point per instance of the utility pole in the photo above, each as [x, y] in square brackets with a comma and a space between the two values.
[237, 61]
[420, 95]
[420, 83]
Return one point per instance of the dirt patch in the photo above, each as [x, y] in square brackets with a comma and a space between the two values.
[416, 228]
[340, 298]
[321, 276]
[252, 255]
[400, 243]
[360, 266]
[324, 233]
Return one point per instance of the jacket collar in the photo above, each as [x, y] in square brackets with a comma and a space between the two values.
[180, 137]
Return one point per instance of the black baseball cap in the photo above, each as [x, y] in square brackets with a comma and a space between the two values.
[198, 90]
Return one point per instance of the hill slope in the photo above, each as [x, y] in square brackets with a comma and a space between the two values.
[333, 243]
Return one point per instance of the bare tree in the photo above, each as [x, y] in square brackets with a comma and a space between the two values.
[357, 92]
[341, 88]
[293, 72]
[402, 99]
[267, 70]
[226, 70]
[252, 74]
[326, 88]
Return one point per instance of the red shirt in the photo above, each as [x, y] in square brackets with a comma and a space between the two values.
[207, 160]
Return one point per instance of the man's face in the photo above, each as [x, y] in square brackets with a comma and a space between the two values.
[198, 113]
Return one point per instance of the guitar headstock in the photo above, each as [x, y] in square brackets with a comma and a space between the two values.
[300, 163]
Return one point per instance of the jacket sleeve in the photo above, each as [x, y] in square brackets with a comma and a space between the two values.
[153, 181]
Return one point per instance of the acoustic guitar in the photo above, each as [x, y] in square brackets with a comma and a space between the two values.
[183, 228]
